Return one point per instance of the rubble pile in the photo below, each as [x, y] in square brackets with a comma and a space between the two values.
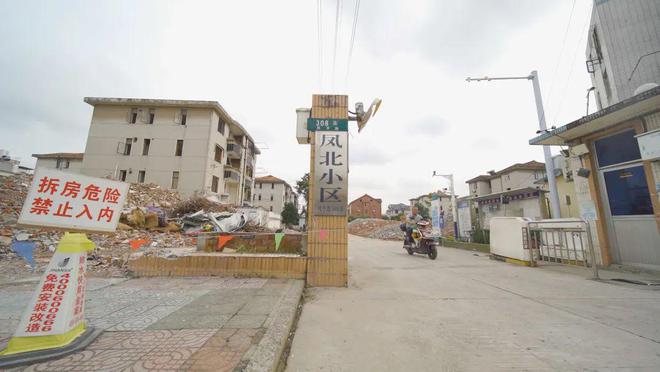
[193, 205]
[375, 228]
[155, 221]
[151, 195]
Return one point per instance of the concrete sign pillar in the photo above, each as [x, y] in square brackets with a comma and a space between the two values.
[327, 239]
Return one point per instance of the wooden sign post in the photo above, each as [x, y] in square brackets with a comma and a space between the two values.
[327, 239]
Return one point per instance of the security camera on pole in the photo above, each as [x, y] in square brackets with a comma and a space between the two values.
[549, 165]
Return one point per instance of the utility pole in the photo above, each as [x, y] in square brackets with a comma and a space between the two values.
[454, 212]
[549, 165]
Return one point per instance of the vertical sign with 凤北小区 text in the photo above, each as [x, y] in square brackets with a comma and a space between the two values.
[73, 202]
[330, 191]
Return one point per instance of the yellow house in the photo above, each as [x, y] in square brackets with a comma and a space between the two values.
[565, 188]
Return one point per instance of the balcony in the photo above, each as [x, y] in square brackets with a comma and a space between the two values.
[232, 175]
[234, 150]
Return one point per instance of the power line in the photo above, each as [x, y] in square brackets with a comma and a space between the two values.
[570, 72]
[334, 52]
[350, 48]
[561, 52]
[319, 18]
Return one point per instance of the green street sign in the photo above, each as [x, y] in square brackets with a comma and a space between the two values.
[335, 125]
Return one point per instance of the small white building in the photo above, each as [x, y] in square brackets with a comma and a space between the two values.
[9, 166]
[65, 161]
[271, 193]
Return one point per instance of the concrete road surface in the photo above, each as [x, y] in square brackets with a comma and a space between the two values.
[464, 312]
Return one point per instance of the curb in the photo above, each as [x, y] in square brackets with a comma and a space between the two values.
[268, 352]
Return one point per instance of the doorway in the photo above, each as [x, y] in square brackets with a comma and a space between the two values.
[631, 225]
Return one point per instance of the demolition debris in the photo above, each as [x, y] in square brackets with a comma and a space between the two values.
[375, 228]
[155, 221]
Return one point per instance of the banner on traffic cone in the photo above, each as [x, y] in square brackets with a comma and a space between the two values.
[55, 315]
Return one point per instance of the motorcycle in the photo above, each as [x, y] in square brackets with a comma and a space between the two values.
[420, 240]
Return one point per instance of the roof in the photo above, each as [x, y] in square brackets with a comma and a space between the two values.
[633, 107]
[508, 192]
[398, 205]
[441, 194]
[482, 177]
[368, 196]
[530, 165]
[271, 179]
[60, 155]
[169, 103]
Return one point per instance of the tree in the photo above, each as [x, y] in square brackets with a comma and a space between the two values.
[289, 214]
[302, 186]
[422, 210]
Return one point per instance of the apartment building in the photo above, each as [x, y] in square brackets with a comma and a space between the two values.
[623, 49]
[271, 193]
[509, 192]
[194, 147]
[65, 161]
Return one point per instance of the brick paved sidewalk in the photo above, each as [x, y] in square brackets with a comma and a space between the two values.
[197, 324]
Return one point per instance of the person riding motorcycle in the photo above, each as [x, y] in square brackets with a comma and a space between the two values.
[410, 222]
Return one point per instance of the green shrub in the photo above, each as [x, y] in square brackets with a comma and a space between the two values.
[481, 236]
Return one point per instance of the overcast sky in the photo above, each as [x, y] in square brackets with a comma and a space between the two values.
[260, 60]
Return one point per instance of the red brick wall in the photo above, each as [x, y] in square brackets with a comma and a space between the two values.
[365, 207]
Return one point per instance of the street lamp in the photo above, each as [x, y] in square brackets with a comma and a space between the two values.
[549, 165]
[454, 212]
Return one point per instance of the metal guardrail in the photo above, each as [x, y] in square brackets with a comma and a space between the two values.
[561, 241]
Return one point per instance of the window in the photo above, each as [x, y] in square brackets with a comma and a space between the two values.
[221, 126]
[218, 154]
[145, 146]
[214, 183]
[260, 186]
[62, 164]
[618, 148]
[568, 200]
[184, 116]
[122, 175]
[127, 146]
[628, 192]
[271, 208]
[132, 119]
[152, 116]
[259, 196]
[272, 186]
[179, 148]
[271, 198]
[175, 180]
[141, 175]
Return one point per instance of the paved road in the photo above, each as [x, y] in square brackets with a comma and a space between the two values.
[464, 312]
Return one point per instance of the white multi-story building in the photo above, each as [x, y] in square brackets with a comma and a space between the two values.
[623, 49]
[194, 147]
[65, 161]
[271, 193]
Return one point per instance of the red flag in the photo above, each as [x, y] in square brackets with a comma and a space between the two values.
[222, 240]
[136, 244]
